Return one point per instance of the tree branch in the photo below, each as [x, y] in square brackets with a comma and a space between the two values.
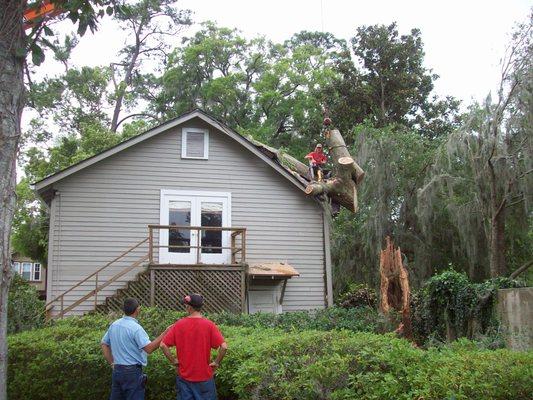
[520, 270]
[137, 115]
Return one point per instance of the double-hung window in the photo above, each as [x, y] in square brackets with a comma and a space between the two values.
[16, 267]
[36, 272]
[195, 143]
[26, 270]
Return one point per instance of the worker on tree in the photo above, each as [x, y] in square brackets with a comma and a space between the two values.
[317, 159]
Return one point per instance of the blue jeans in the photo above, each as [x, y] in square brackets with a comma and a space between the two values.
[186, 390]
[128, 383]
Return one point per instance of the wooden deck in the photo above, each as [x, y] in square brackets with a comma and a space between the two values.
[163, 285]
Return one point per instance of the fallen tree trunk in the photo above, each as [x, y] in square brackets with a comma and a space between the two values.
[347, 174]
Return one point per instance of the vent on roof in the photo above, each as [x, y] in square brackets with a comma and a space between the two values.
[195, 143]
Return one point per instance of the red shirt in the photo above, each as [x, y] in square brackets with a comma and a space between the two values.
[318, 158]
[194, 338]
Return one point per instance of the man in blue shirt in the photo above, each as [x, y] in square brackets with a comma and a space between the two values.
[125, 346]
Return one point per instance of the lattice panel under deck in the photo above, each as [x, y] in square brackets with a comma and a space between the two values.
[222, 289]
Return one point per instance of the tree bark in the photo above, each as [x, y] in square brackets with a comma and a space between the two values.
[12, 41]
[122, 86]
[347, 174]
[497, 245]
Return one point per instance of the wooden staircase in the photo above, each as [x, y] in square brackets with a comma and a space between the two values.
[138, 288]
[56, 307]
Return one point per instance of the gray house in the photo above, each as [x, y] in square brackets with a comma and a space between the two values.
[190, 205]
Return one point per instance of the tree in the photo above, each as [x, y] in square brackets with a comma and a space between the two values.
[484, 169]
[14, 46]
[395, 160]
[144, 20]
[392, 87]
[77, 104]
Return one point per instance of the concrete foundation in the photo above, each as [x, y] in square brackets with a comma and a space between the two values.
[515, 310]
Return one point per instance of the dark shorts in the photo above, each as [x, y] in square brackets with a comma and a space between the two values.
[128, 383]
[186, 390]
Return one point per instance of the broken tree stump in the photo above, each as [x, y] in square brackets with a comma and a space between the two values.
[347, 174]
[395, 292]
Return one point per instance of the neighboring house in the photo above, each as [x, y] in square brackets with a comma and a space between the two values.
[189, 205]
[33, 272]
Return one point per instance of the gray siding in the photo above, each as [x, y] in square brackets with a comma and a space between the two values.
[104, 209]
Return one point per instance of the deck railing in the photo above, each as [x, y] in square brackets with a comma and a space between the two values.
[237, 245]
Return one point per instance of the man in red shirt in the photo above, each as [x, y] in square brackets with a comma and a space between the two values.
[194, 336]
[317, 159]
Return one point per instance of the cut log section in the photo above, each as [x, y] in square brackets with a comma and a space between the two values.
[347, 174]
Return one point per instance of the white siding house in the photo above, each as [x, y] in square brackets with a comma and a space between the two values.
[190, 170]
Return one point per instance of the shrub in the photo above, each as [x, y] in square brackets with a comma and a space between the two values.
[64, 362]
[25, 310]
[449, 306]
[361, 319]
[358, 295]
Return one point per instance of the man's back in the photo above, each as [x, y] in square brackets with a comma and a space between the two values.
[127, 338]
[194, 338]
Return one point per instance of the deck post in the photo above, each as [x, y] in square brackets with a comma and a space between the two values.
[232, 245]
[95, 291]
[243, 288]
[150, 245]
[152, 287]
[243, 246]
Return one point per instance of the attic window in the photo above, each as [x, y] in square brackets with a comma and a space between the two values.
[195, 143]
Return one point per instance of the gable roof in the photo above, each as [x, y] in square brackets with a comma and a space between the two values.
[263, 152]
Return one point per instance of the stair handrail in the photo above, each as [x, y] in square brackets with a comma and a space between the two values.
[97, 289]
[62, 295]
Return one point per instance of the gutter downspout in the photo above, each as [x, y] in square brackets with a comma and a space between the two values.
[327, 260]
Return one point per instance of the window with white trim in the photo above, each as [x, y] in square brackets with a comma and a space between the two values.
[36, 272]
[16, 267]
[195, 143]
[26, 270]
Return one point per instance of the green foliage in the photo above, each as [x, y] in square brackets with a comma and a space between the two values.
[29, 236]
[357, 295]
[451, 306]
[274, 364]
[359, 319]
[394, 160]
[25, 311]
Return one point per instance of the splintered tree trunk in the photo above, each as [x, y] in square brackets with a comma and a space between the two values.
[347, 174]
[11, 104]
[395, 292]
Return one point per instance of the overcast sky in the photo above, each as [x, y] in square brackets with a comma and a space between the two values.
[463, 40]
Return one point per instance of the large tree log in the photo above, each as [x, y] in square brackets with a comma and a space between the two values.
[347, 174]
[288, 161]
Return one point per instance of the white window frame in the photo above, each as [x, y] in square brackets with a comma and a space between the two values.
[184, 133]
[22, 263]
[34, 270]
[16, 267]
[192, 196]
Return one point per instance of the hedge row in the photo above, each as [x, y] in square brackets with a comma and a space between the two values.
[64, 362]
